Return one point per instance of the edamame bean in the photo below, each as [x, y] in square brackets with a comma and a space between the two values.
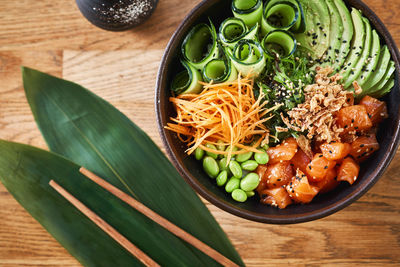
[250, 182]
[199, 153]
[223, 164]
[262, 157]
[213, 155]
[250, 193]
[220, 145]
[239, 195]
[210, 166]
[244, 157]
[265, 147]
[249, 165]
[235, 169]
[232, 184]
[222, 178]
[234, 149]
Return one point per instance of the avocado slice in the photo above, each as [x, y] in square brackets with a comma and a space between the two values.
[347, 34]
[379, 71]
[386, 88]
[381, 84]
[315, 39]
[356, 44]
[335, 36]
[371, 61]
[365, 53]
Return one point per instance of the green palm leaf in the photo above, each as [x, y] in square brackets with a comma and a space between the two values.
[26, 171]
[86, 129]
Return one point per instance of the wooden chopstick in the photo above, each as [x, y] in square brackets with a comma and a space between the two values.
[218, 257]
[135, 251]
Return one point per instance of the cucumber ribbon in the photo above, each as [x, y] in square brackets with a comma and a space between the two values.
[200, 45]
[232, 30]
[283, 15]
[220, 70]
[248, 57]
[250, 11]
[187, 81]
[279, 43]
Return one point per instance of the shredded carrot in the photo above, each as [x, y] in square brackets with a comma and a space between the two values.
[226, 112]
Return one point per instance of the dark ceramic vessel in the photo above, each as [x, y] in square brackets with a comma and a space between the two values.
[323, 205]
[116, 15]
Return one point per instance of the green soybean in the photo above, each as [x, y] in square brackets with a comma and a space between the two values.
[220, 145]
[239, 195]
[213, 155]
[265, 147]
[222, 178]
[232, 184]
[249, 165]
[234, 149]
[199, 153]
[262, 157]
[250, 193]
[223, 164]
[244, 157]
[250, 182]
[235, 169]
[210, 166]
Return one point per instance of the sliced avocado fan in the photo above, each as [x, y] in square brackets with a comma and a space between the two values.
[315, 39]
[362, 57]
[347, 34]
[383, 82]
[357, 45]
[335, 36]
[371, 61]
[379, 71]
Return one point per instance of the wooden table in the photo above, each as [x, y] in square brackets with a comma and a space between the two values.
[121, 67]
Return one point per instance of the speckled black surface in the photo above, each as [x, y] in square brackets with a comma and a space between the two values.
[99, 14]
[323, 205]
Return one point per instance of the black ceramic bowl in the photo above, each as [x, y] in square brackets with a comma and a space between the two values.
[192, 171]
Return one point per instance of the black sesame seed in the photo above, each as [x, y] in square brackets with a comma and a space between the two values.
[320, 156]
[326, 167]
[330, 151]
[352, 120]
[362, 145]
[309, 166]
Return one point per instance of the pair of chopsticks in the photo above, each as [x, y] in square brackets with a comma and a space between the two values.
[112, 232]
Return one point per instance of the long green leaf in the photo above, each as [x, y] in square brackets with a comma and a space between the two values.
[91, 132]
[26, 171]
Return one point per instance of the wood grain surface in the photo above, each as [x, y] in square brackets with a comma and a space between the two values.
[121, 67]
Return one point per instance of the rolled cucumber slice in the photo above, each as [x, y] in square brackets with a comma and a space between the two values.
[379, 71]
[299, 25]
[365, 53]
[187, 81]
[200, 45]
[248, 57]
[219, 70]
[279, 42]
[250, 11]
[232, 30]
[281, 15]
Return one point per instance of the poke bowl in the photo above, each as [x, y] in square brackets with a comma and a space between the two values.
[374, 35]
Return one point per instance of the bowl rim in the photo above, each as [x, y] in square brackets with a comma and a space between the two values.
[268, 218]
